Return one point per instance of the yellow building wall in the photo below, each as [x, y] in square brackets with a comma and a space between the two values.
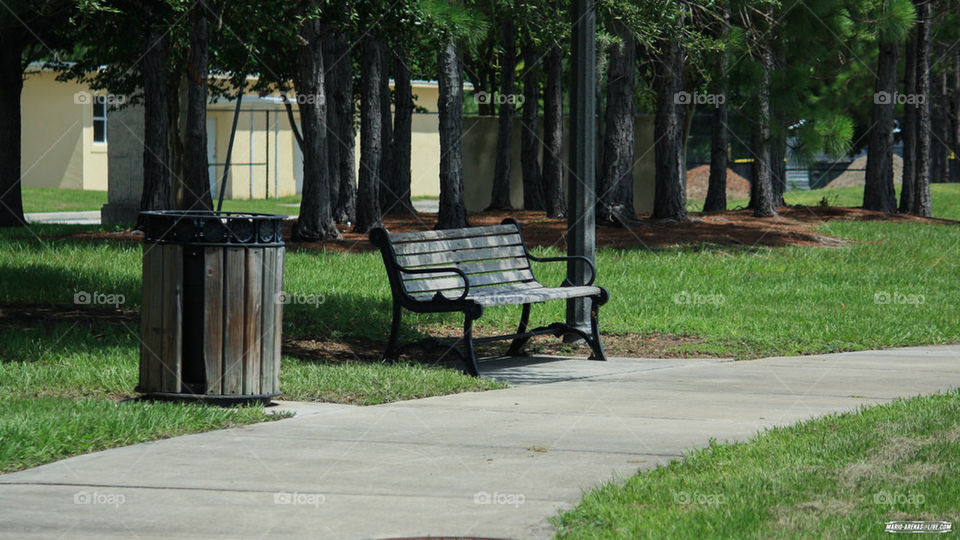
[479, 146]
[479, 159]
[59, 152]
[94, 154]
[57, 136]
[425, 155]
[273, 153]
[426, 94]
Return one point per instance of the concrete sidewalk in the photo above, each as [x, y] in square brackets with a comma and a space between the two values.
[88, 217]
[492, 464]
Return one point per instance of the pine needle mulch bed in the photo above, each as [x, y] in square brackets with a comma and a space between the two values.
[795, 226]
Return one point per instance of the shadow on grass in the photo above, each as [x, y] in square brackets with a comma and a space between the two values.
[30, 334]
[355, 328]
[49, 284]
[345, 328]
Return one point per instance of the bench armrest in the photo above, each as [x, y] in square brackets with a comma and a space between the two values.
[448, 269]
[593, 269]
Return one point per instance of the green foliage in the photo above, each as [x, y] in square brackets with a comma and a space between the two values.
[831, 134]
[887, 20]
[462, 21]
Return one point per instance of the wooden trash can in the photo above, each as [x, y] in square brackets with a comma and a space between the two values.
[211, 313]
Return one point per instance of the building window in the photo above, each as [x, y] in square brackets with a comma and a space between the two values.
[100, 119]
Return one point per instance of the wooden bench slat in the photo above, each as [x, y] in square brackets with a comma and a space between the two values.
[469, 268]
[476, 280]
[487, 291]
[419, 236]
[434, 246]
[470, 255]
[510, 296]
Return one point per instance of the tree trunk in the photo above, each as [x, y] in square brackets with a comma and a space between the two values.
[500, 193]
[196, 193]
[716, 200]
[176, 113]
[615, 184]
[345, 207]
[402, 137]
[483, 82]
[909, 181]
[315, 221]
[778, 162]
[330, 58]
[878, 193]
[371, 136]
[939, 116]
[670, 197]
[156, 123]
[921, 196]
[955, 114]
[453, 212]
[778, 137]
[388, 195]
[553, 135]
[530, 132]
[762, 187]
[11, 75]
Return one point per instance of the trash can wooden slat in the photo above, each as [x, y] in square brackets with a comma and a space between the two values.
[211, 320]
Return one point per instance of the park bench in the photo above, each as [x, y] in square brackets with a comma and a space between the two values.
[466, 270]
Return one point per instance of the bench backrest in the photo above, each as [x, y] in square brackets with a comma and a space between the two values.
[491, 256]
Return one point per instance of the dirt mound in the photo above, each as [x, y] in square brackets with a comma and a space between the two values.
[698, 180]
[856, 173]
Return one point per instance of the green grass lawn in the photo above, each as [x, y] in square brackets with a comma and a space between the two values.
[62, 200]
[892, 284]
[946, 199]
[67, 200]
[945, 196]
[841, 476]
[62, 388]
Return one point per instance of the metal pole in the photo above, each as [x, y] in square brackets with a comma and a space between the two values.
[581, 187]
[233, 133]
[276, 155]
[250, 166]
[266, 137]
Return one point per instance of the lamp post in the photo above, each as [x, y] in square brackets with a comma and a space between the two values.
[581, 186]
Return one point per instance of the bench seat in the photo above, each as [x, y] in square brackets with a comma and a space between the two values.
[512, 295]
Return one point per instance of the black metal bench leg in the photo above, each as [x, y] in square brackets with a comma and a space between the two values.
[518, 343]
[594, 340]
[469, 355]
[394, 341]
